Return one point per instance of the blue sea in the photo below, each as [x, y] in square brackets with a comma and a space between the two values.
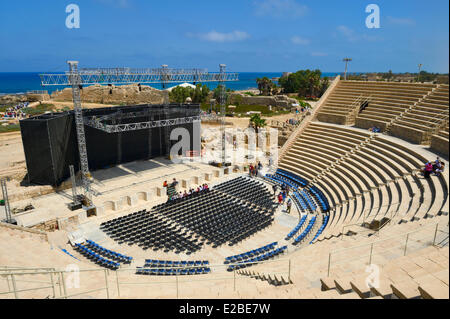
[21, 82]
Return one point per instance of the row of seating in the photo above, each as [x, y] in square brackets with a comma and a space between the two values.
[250, 254]
[282, 180]
[300, 202]
[172, 271]
[108, 253]
[217, 218]
[359, 176]
[151, 230]
[297, 228]
[96, 258]
[151, 263]
[309, 201]
[256, 260]
[247, 189]
[299, 180]
[318, 194]
[306, 231]
[322, 227]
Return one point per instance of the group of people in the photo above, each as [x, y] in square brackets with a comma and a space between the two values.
[15, 111]
[253, 170]
[192, 192]
[436, 167]
[282, 196]
[292, 121]
[174, 195]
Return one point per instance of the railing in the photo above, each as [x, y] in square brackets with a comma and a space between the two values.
[409, 109]
[437, 123]
[389, 214]
[398, 246]
[60, 281]
[356, 109]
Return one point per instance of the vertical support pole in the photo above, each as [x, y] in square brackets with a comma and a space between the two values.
[234, 279]
[53, 283]
[117, 282]
[289, 275]
[7, 281]
[176, 278]
[329, 264]
[435, 234]
[371, 251]
[74, 185]
[106, 283]
[13, 280]
[60, 284]
[406, 244]
[64, 285]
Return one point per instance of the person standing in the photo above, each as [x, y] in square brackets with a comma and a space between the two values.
[288, 207]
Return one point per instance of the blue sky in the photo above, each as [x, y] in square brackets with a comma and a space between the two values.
[247, 35]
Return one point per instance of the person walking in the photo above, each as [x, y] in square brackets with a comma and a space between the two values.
[288, 206]
[275, 188]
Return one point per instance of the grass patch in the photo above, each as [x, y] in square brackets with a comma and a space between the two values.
[10, 128]
[39, 109]
[4, 107]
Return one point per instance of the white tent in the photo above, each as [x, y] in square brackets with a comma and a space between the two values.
[185, 85]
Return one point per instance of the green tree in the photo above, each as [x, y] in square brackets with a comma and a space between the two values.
[257, 122]
[179, 94]
[198, 95]
[306, 83]
[265, 85]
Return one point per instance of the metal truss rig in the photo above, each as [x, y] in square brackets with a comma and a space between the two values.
[116, 128]
[129, 76]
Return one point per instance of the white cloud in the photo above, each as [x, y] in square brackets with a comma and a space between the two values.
[348, 33]
[351, 36]
[401, 21]
[279, 8]
[214, 36]
[299, 40]
[319, 54]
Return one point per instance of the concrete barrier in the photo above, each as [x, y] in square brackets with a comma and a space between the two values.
[198, 180]
[109, 206]
[100, 210]
[218, 173]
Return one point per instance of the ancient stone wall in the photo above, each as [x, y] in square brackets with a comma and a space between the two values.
[276, 101]
[129, 94]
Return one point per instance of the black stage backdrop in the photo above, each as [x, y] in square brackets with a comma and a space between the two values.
[50, 141]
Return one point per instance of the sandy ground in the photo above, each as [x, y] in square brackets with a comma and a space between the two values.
[12, 159]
